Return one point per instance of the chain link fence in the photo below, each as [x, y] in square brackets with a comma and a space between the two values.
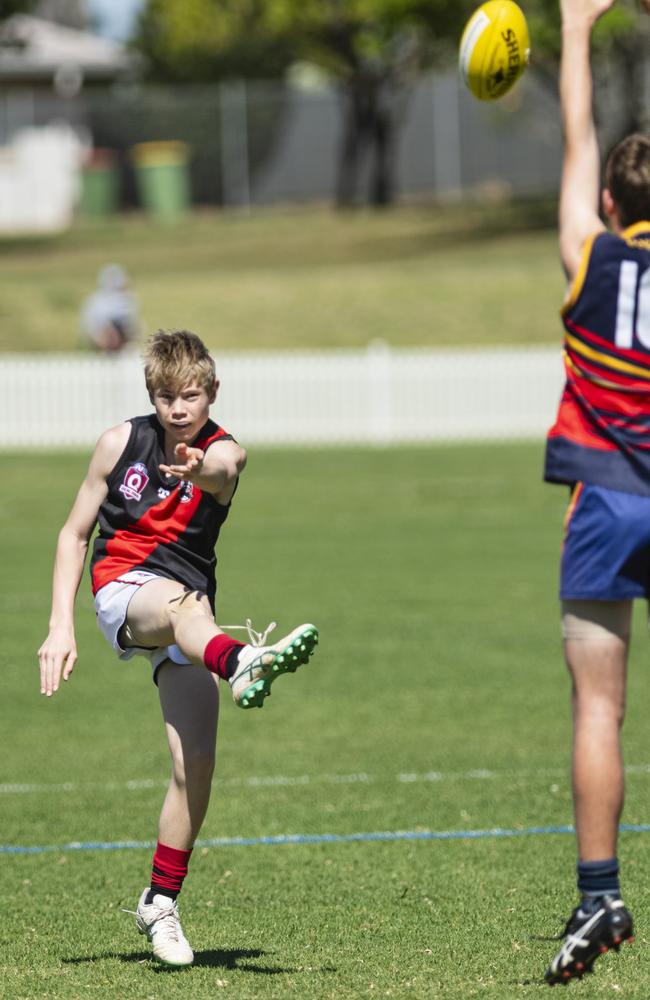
[260, 143]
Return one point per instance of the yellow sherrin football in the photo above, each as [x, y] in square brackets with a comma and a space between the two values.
[494, 49]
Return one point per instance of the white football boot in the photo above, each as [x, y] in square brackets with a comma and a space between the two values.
[160, 921]
[259, 665]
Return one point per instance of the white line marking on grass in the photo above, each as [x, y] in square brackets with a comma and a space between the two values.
[79, 786]
[288, 781]
[261, 781]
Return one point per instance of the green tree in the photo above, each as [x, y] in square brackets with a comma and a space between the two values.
[374, 49]
[200, 41]
[10, 7]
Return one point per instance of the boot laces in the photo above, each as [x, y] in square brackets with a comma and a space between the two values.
[165, 918]
[256, 638]
[167, 921]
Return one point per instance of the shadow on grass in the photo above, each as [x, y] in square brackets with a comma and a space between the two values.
[457, 225]
[473, 218]
[213, 959]
[230, 959]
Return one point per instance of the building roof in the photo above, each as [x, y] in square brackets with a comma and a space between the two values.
[33, 49]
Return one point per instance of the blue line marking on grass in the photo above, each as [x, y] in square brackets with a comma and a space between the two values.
[311, 838]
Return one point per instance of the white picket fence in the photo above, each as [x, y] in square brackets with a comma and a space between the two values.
[373, 396]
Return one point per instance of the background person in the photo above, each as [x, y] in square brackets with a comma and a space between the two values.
[109, 317]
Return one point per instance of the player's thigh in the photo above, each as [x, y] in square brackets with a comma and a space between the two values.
[189, 699]
[148, 615]
[596, 644]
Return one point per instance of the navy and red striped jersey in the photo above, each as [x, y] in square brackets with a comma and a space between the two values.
[148, 522]
[602, 431]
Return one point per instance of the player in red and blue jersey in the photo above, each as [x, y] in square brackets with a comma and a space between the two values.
[600, 447]
[160, 488]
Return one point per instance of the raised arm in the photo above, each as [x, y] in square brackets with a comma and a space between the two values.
[580, 189]
[58, 654]
[214, 471]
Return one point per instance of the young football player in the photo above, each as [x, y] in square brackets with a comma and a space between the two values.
[600, 447]
[161, 487]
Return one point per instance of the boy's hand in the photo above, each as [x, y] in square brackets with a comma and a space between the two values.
[57, 657]
[579, 11]
[189, 461]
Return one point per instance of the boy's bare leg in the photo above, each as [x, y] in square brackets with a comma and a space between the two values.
[189, 698]
[163, 612]
[598, 669]
[156, 617]
[596, 648]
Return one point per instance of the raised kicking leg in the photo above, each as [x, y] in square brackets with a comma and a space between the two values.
[163, 613]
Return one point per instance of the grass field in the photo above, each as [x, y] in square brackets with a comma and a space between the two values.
[301, 278]
[437, 701]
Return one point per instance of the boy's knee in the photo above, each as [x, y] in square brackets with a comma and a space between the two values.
[193, 767]
[604, 708]
[191, 604]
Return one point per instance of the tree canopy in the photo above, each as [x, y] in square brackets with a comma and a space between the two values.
[373, 48]
[10, 7]
[200, 40]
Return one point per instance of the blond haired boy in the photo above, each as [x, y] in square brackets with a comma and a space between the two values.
[160, 488]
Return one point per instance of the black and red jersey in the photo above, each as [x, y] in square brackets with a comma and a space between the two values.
[602, 432]
[149, 522]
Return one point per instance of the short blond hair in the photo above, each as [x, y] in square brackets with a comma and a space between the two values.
[175, 358]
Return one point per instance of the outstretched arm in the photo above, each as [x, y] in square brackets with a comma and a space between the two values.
[58, 654]
[580, 189]
[214, 471]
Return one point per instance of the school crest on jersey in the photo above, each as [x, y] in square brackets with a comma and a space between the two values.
[135, 480]
[186, 490]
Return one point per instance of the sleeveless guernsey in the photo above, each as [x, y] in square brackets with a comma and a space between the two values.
[602, 432]
[148, 522]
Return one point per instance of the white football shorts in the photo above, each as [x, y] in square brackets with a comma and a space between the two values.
[111, 606]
